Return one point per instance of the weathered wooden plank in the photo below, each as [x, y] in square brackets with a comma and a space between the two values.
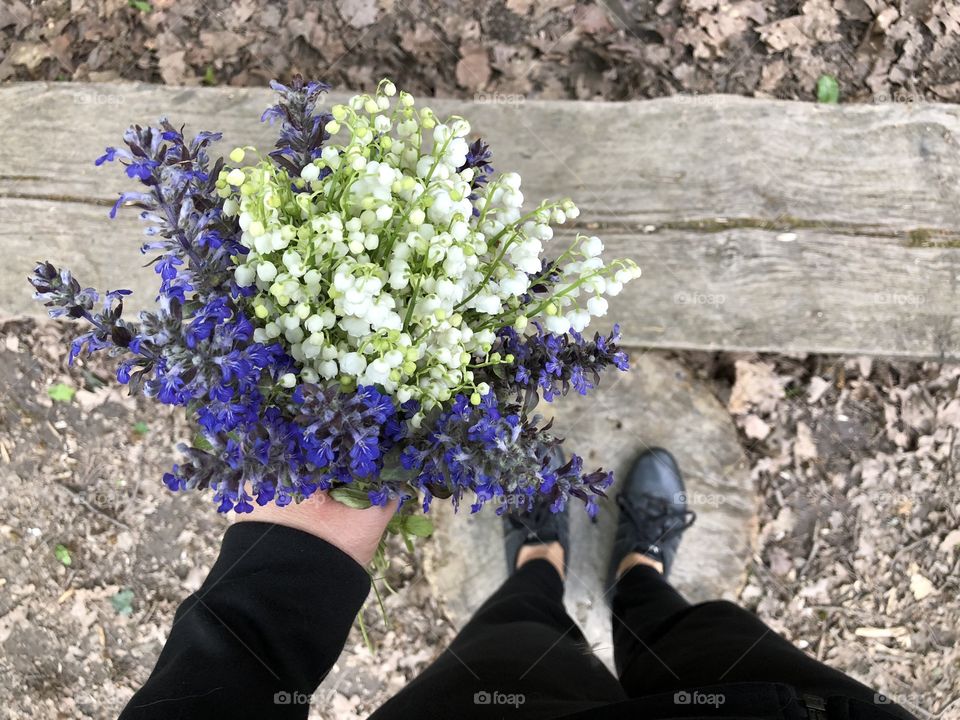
[79, 236]
[747, 289]
[700, 191]
[732, 289]
[895, 165]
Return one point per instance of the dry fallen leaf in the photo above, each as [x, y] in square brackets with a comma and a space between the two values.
[756, 387]
[818, 386]
[818, 23]
[30, 55]
[359, 13]
[920, 586]
[951, 541]
[755, 428]
[804, 448]
[592, 19]
[950, 414]
[173, 68]
[473, 68]
[780, 562]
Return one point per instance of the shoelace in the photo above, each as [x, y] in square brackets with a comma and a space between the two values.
[650, 509]
[534, 521]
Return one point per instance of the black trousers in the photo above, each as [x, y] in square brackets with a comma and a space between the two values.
[523, 656]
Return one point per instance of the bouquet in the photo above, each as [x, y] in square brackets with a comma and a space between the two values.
[363, 311]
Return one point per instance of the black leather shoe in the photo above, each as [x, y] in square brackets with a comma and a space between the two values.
[539, 526]
[653, 511]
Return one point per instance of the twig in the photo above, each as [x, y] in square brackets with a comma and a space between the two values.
[80, 499]
[906, 548]
[814, 546]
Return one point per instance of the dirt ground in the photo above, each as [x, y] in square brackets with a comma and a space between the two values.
[880, 51]
[858, 554]
[857, 558]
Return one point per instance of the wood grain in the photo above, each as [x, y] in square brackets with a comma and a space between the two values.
[759, 224]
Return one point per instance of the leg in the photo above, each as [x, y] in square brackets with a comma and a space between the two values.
[520, 643]
[700, 645]
[662, 644]
[643, 604]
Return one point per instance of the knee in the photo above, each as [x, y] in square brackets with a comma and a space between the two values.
[721, 609]
[725, 616]
[721, 606]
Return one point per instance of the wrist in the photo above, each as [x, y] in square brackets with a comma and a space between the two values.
[356, 532]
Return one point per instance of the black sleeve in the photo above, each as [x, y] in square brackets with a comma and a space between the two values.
[260, 634]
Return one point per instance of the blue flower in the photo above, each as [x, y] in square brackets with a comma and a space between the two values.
[303, 129]
[379, 497]
[363, 456]
[142, 168]
[166, 266]
[243, 504]
[123, 372]
[491, 450]
[173, 481]
[170, 387]
[556, 363]
[108, 156]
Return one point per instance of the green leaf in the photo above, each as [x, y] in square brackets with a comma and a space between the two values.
[63, 555]
[141, 5]
[395, 525]
[140, 427]
[418, 525]
[209, 76]
[61, 393]
[201, 443]
[828, 90]
[123, 602]
[351, 497]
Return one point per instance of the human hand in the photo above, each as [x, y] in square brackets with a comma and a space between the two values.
[355, 532]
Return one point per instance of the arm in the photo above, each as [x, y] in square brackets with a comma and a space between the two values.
[270, 619]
